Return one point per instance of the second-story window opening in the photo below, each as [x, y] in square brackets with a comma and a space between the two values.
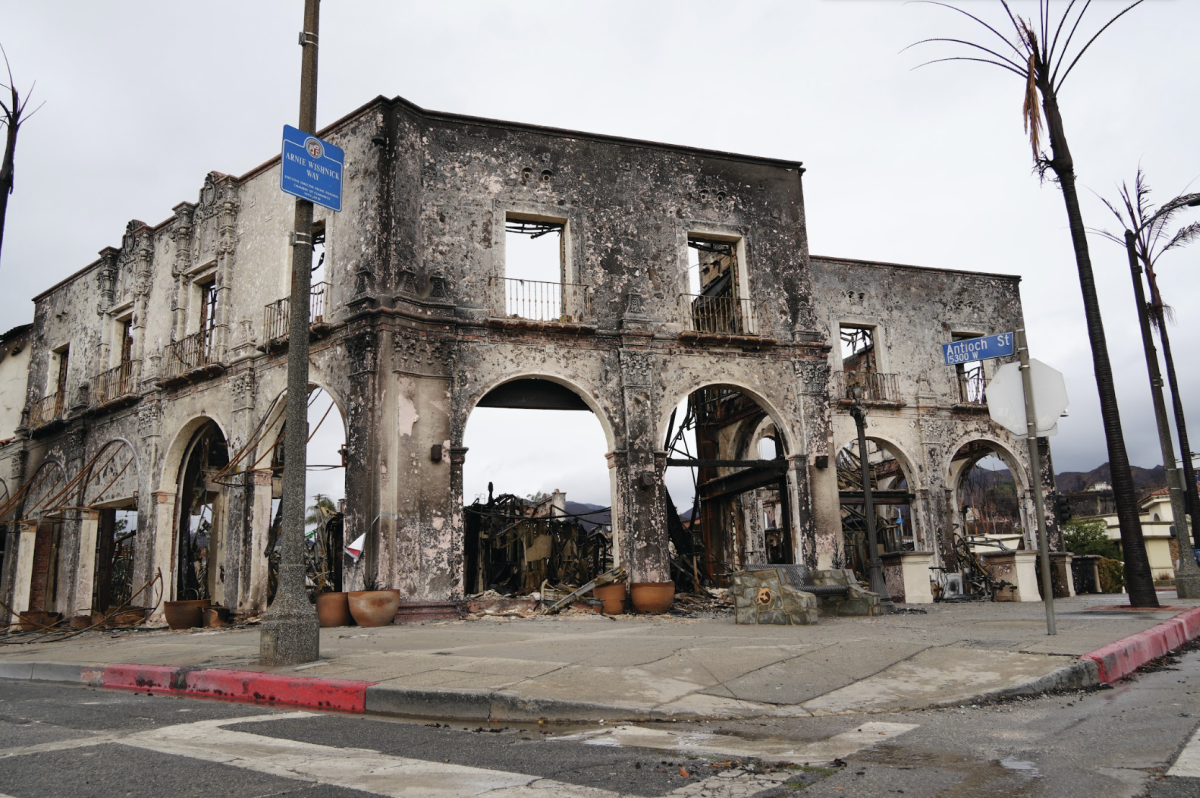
[63, 357]
[126, 329]
[533, 250]
[858, 348]
[318, 253]
[716, 301]
[971, 378]
[208, 312]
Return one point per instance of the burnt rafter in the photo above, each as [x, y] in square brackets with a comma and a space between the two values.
[532, 229]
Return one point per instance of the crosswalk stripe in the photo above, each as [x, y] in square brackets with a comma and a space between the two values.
[815, 753]
[1187, 764]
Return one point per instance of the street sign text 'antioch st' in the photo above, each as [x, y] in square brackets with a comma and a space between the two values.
[971, 349]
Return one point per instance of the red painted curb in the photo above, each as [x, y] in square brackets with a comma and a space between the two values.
[269, 688]
[1118, 660]
[249, 686]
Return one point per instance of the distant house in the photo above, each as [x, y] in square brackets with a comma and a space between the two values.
[1158, 526]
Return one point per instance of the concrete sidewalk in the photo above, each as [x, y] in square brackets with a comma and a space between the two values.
[586, 667]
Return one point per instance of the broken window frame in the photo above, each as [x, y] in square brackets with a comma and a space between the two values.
[970, 378]
[529, 296]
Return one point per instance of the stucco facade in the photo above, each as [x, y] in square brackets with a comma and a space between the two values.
[174, 367]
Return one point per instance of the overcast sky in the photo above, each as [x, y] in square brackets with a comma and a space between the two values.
[929, 167]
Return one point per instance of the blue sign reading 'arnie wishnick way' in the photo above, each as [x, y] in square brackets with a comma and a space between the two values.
[978, 348]
[311, 168]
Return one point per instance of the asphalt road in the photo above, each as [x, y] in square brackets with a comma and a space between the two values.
[58, 740]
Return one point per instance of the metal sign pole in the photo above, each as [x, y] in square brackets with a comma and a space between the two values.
[1035, 466]
[291, 633]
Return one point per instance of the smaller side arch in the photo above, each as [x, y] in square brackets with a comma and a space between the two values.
[588, 397]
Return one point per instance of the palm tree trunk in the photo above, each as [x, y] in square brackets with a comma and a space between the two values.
[6, 173]
[1189, 473]
[1138, 579]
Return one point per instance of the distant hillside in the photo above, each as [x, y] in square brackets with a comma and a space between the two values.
[1144, 479]
[591, 518]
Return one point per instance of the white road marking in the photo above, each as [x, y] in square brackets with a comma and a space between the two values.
[58, 745]
[816, 753]
[354, 768]
[1187, 764]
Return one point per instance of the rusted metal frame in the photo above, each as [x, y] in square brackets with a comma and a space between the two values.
[694, 463]
[49, 505]
[740, 482]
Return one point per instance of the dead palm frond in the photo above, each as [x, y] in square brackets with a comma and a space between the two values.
[1152, 238]
[1032, 53]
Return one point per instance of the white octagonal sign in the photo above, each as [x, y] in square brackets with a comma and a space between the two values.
[1006, 397]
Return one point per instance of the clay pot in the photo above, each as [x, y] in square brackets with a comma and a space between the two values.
[86, 621]
[373, 607]
[333, 609]
[185, 614]
[613, 596]
[652, 598]
[216, 617]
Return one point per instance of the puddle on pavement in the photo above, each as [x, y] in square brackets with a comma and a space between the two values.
[705, 743]
[1012, 763]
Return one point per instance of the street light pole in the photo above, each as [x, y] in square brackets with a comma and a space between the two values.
[291, 633]
[874, 564]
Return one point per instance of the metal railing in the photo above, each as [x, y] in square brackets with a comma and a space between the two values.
[47, 409]
[536, 300]
[114, 383]
[190, 353]
[873, 386]
[971, 388]
[719, 315]
[277, 315]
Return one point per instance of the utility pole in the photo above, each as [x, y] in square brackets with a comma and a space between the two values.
[1035, 468]
[291, 633]
[1187, 578]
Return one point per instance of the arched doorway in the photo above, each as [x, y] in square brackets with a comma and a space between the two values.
[537, 489]
[988, 489]
[108, 535]
[730, 504]
[892, 498]
[38, 581]
[201, 517]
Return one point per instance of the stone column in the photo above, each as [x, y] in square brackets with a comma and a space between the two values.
[804, 529]
[23, 579]
[647, 553]
[234, 549]
[161, 544]
[362, 449]
[85, 572]
[252, 598]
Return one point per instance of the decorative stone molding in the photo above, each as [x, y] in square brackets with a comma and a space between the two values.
[422, 356]
[361, 349]
[636, 369]
[813, 376]
[244, 386]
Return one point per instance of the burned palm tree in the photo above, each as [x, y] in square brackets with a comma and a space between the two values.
[12, 115]
[1039, 52]
[1147, 237]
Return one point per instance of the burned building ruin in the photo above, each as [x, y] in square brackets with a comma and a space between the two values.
[155, 373]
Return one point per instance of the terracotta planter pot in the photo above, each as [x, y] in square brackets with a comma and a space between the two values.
[373, 607]
[333, 609]
[652, 598]
[216, 617]
[185, 614]
[37, 620]
[130, 616]
[613, 597]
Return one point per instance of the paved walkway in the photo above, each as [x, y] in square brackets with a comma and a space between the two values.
[585, 667]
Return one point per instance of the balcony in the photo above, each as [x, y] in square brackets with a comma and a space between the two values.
[116, 384]
[724, 316]
[46, 410]
[875, 387]
[541, 303]
[193, 357]
[971, 389]
[277, 315]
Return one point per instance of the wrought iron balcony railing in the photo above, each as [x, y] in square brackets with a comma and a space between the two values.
[719, 315]
[277, 315]
[188, 354]
[47, 409]
[871, 386]
[114, 383]
[536, 300]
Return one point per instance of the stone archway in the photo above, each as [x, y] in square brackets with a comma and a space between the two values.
[742, 497]
[987, 503]
[529, 529]
[109, 525]
[200, 507]
[894, 490]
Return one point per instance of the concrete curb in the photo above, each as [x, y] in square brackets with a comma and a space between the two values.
[1117, 660]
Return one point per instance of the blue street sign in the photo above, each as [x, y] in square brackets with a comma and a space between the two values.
[312, 169]
[978, 348]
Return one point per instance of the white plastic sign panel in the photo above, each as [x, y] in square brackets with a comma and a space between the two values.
[1006, 398]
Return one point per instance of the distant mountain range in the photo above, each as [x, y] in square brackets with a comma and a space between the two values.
[591, 518]
[1144, 479]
